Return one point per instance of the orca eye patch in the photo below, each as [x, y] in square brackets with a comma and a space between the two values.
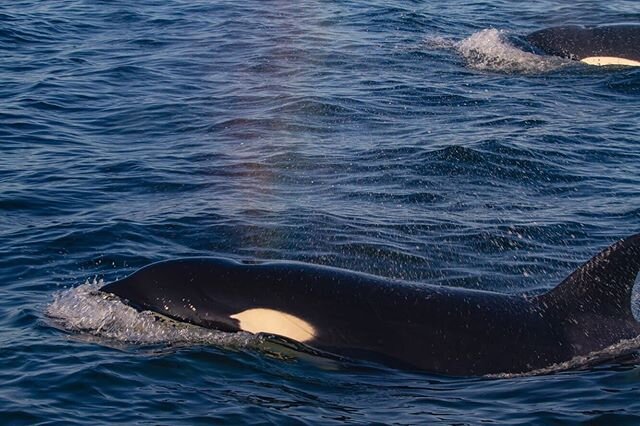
[261, 320]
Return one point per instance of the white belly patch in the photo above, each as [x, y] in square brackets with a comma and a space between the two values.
[610, 60]
[262, 320]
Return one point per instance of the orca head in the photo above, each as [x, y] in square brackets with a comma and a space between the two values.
[217, 293]
[556, 41]
[602, 45]
[180, 289]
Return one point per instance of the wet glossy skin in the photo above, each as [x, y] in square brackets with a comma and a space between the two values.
[444, 330]
[579, 43]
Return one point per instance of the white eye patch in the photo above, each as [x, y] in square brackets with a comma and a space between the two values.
[609, 60]
[261, 320]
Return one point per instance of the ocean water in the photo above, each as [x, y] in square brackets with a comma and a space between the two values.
[414, 140]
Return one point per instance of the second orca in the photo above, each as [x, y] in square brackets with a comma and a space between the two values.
[600, 45]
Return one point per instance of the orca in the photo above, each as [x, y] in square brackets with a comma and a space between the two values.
[444, 330]
[600, 45]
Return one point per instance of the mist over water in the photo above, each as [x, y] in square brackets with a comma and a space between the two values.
[418, 141]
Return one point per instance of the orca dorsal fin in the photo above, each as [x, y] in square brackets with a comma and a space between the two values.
[603, 285]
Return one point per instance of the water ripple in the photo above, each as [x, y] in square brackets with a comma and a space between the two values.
[414, 140]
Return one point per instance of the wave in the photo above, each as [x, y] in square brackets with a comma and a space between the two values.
[614, 352]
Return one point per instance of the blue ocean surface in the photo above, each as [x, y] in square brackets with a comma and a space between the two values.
[415, 140]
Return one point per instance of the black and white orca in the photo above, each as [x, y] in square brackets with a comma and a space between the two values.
[601, 45]
[444, 330]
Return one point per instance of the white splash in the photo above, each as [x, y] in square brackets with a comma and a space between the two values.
[87, 311]
[490, 50]
[615, 351]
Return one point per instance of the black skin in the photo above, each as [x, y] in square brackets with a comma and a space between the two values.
[443, 330]
[578, 42]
